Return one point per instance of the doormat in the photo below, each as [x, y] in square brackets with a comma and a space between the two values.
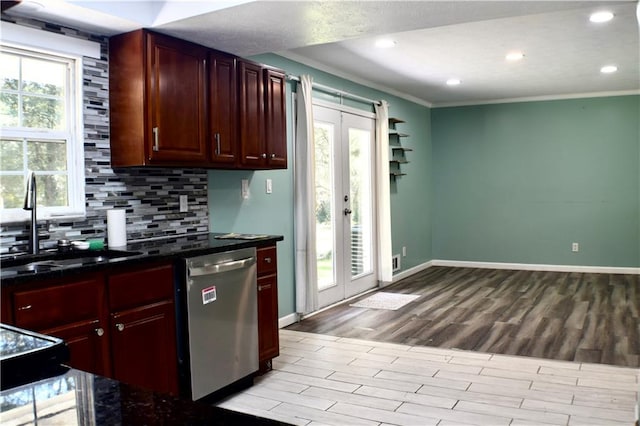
[382, 300]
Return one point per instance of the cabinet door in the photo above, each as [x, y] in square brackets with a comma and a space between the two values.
[177, 101]
[73, 311]
[143, 347]
[223, 110]
[268, 342]
[251, 115]
[275, 119]
[88, 345]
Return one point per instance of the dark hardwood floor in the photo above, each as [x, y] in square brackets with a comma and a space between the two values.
[556, 315]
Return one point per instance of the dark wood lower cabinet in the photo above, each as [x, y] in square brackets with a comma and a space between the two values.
[120, 325]
[88, 345]
[268, 340]
[141, 347]
[268, 318]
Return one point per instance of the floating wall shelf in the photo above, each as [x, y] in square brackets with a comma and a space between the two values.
[397, 150]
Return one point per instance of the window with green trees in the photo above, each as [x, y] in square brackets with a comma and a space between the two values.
[38, 123]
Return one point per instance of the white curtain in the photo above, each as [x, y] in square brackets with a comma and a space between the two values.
[304, 201]
[383, 193]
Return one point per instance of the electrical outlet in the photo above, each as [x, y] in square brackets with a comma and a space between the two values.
[269, 186]
[184, 203]
[575, 247]
[404, 251]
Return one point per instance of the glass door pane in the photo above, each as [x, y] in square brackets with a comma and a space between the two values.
[325, 223]
[360, 189]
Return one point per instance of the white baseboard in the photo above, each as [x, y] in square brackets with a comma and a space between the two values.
[411, 271]
[287, 320]
[536, 267]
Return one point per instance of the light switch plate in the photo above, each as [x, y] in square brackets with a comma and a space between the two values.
[245, 189]
[269, 186]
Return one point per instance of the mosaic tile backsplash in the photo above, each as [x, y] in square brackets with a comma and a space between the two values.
[151, 196]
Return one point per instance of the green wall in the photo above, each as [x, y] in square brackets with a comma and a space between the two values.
[513, 182]
[273, 214]
[521, 182]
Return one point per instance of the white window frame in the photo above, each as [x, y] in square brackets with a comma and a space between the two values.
[74, 136]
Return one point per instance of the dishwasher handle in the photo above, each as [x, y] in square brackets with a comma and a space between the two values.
[221, 267]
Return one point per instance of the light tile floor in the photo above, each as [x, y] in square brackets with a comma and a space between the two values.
[328, 380]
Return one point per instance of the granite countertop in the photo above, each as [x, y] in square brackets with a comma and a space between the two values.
[166, 249]
[82, 398]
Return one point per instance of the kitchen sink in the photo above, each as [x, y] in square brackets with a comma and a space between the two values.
[47, 261]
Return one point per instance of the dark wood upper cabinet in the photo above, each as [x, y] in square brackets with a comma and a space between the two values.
[177, 95]
[251, 114]
[176, 103]
[275, 119]
[223, 111]
[157, 95]
[263, 116]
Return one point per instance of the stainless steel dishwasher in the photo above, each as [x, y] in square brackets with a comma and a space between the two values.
[222, 320]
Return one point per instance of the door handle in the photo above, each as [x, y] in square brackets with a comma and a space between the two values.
[156, 147]
[217, 138]
[347, 212]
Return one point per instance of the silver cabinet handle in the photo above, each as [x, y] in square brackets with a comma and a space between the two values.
[264, 155]
[217, 138]
[155, 139]
[267, 260]
[100, 331]
[120, 326]
[24, 308]
[273, 156]
[264, 287]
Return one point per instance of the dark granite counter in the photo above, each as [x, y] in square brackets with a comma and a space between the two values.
[167, 249]
[81, 398]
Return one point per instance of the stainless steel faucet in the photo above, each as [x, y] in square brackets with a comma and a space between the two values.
[30, 204]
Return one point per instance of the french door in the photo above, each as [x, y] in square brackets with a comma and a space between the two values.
[344, 190]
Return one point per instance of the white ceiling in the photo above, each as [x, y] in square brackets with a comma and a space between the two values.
[435, 40]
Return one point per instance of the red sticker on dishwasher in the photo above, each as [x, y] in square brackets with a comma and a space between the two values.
[209, 295]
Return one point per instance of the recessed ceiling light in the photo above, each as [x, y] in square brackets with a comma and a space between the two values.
[385, 43]
[514, 56]
[602, 16]
[453, 82]
[608, 69]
